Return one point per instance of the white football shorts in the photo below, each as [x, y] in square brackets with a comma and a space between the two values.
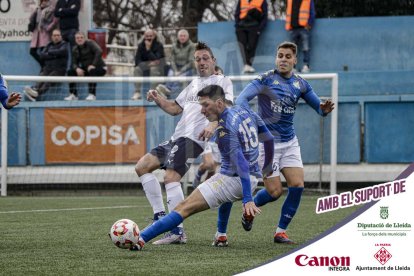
[287, 155]
[221, 188]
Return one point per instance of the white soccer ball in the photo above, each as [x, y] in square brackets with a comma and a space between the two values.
[124, 233]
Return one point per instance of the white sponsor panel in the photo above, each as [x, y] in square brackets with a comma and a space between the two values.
[15, 14]
[76, 135]
[376, 242]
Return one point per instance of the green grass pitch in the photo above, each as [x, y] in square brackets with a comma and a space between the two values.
[69, 236]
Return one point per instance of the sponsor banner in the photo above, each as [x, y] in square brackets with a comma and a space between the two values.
[375, 240]
[94, 135]
[15, 14]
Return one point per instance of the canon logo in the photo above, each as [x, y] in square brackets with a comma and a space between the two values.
[304, 260]
[76, 135]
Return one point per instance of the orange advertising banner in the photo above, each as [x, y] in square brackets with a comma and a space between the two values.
[95, 135]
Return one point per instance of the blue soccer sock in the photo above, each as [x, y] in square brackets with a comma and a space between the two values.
[290, 206]
[263, 197]
[163, 225]
[223, 217]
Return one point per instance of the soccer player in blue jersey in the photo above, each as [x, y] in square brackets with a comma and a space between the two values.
[187, 142]
[278, 92]
[8, 101]
[238, 135]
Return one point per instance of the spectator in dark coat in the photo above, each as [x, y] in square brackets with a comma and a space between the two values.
[250, 18]
[86, 61]
[68, 12]
[55, 59]
[149, 60]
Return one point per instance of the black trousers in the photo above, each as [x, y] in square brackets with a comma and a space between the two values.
[42, 87]
[97, 72]
[248, 39]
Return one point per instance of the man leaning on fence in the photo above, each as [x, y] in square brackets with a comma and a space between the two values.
[149, 60]
[55, 59]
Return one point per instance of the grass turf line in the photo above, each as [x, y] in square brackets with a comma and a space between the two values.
[70, 242]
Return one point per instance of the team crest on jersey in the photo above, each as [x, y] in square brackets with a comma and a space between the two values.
[276, 82]
[296, 84]
[222, 133]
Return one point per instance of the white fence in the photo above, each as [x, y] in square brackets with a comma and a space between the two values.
[333, 77]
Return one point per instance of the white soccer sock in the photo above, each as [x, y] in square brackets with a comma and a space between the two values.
[219, 234]
[152, 189]
[280, 230]
[174, 196]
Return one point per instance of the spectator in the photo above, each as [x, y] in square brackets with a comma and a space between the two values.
[149, 60]
[251, 18]
[68, 11]
[86, 61]
[300, 16]
[42, 22]
[182, 63]
[55, 59]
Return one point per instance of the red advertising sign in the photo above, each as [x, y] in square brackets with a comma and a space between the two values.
[95, 135]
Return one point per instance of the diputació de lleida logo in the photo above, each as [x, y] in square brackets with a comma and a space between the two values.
[384, 212]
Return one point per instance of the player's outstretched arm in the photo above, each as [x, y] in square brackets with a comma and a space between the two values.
[327, 106]
[171, 107]
[248, 93]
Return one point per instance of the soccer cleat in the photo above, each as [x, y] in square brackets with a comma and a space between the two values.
[220, 241]
[171, 238]
[71, 97]
[136, 96]
[91, 97]
[247, 222]
[161, 88]
[282, 238]
[138, 246]
[31, 91]
[248, 69]
[305, 69]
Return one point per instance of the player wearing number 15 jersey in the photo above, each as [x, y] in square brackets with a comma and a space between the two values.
[237, 135]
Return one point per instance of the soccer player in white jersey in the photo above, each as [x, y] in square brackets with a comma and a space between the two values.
[187, 141]
[278, 92]
[8, 101]
[238, 135]
[211, 154]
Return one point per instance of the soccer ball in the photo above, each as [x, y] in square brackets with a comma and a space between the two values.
[124, 233]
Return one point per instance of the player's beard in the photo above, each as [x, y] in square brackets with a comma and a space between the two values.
[205, 72]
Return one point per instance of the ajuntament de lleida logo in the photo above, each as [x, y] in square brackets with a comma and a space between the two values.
[384, 212]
